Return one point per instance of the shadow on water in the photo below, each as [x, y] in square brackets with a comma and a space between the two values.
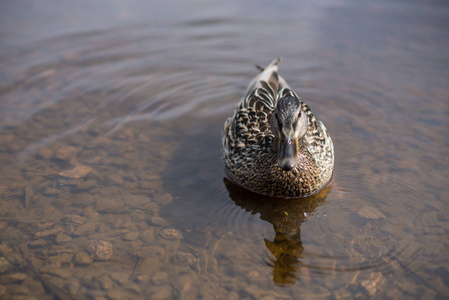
[286, 216]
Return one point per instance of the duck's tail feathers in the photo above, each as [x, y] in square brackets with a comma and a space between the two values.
[259, 68]
[276, 62]
[269, 75]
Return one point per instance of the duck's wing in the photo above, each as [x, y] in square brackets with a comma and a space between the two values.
[250, 122]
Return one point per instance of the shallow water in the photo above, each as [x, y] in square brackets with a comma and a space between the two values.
[110, 123]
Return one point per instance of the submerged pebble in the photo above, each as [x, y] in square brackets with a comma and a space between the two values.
[3, 224]
[82, 258]
[5, 249]
[138, 201]
[49, 232]
[86, 229]
[161, 293]
[76, 219]
[143, 278]
[131, 236]
[147, 236]
[374, 283]
[109, 205]
[66, 153]
[105, 281]
[133, 288]
[99, 250]
[12, 234]
[183, 258]
[49, 191]
[85, 185]
[118, 294]
[114, 179]
[164, 199]
[158, 221]
[160, 278]
[13, 278]
[62, 238]
[119, 277]
[38, 243]
[5, 266]
[185, 282]
[171, 234]
[45, 153]
[72, 286]
[77, 172]
[90, 213]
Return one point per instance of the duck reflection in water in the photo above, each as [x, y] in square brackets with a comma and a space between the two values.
[286, 216]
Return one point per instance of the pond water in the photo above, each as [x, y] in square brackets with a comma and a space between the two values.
[112, 183]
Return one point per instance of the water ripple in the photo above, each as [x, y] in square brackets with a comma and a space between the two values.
[368, 222]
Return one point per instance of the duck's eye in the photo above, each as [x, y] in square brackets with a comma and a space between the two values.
[299, 114]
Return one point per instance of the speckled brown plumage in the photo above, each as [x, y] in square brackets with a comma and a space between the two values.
[251, 149]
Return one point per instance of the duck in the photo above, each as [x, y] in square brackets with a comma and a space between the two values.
[273, 144]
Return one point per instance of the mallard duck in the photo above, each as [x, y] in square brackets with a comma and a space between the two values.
[273, 144]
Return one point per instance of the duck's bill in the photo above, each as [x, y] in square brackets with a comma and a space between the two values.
[288, 151]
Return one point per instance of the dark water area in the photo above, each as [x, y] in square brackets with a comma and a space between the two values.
[112, 183]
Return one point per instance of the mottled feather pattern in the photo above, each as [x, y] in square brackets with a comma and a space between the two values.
[250, 148]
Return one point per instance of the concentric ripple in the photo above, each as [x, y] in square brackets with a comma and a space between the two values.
[367, 222]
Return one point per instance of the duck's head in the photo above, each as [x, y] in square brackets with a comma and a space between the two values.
[289, 125]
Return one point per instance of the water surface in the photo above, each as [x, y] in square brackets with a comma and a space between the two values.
[110, 123]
